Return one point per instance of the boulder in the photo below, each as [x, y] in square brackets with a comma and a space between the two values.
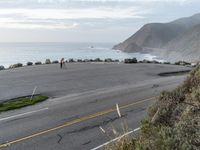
[146, 61]
[85, 60]
[29, 63]
[167, 63]
[2, 68]
[98, 60]
[38, 63]
[182, 63]
[130, 61]
[71, 60]
[79, 60]
[16, 65]
[108, 60]
[48, 61]
[155, 62]
[55, 62]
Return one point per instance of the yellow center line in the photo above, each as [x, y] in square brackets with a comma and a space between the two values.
[75, 121]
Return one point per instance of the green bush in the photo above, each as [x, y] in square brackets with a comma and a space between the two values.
[21, 102]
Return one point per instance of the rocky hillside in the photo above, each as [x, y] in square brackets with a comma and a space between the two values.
[177, 37]
[173, 121]
[154, 35]
[184, 47]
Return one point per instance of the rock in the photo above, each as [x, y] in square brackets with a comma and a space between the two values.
[29, 63]
[167, 63]
[2, 68]
[91, 60]
[38, 63]
[85, 60]
[146, 61]
[98, 60]
[48, 61]
[182, 63]
[108, 60]
[130, 61]
[71, 60]
[16, 65]
[79, 60]
[55, 62]
[155, 62]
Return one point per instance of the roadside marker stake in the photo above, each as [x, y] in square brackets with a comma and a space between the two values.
[33, 92]
[118, 111]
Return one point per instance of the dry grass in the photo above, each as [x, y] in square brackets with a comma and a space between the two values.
[173, 122]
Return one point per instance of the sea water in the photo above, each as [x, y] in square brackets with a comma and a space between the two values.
[11, 53]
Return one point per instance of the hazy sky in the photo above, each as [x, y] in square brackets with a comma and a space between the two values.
[85, 20]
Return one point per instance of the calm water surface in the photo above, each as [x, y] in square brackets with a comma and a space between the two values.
[11, 53]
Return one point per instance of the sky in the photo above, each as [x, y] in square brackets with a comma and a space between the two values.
[85, 20]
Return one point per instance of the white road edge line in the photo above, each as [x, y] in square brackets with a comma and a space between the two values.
[113, 140]
[23, 114]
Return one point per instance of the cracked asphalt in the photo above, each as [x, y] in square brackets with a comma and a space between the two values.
[82, 98]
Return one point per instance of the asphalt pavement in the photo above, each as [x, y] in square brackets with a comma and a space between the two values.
[82, 100]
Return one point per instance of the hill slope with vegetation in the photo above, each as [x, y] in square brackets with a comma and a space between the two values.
[173, 122]
[172, 41]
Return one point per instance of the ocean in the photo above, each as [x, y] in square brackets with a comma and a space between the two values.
[11, 53]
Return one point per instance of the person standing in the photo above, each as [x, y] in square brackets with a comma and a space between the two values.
[62, 61]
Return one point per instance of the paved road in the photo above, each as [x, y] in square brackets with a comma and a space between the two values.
[83, 97]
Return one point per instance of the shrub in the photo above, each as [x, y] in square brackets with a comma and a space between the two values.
[173, 122]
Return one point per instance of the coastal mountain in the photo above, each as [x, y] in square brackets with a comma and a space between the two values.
[180, 38]
[154, 35]
[185, 47]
